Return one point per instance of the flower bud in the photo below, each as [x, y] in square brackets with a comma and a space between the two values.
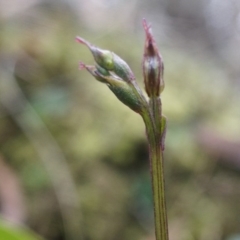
[122, 90]
[109, 61]
[152, 65]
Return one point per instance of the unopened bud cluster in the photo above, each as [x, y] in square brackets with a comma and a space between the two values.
[115, 72]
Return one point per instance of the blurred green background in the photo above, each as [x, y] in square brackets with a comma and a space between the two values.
[74, 160]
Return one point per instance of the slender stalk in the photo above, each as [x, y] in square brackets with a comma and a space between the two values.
[160, 213]
[153, 125]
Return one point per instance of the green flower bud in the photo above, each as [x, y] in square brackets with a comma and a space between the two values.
[109, 61]
[152, 65]
[122, 69]
[122, 90]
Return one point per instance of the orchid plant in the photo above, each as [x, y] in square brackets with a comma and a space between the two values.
[110, 69]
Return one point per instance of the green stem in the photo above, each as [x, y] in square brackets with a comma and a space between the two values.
[152, 114]
[152, 121]
[160, 212]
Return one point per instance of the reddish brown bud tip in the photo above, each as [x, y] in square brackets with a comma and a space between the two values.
[83, 41]
[152, 64]
[82, 66]
[147, 29]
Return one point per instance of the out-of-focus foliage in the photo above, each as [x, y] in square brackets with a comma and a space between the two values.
[59, 123]
[16, 233]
